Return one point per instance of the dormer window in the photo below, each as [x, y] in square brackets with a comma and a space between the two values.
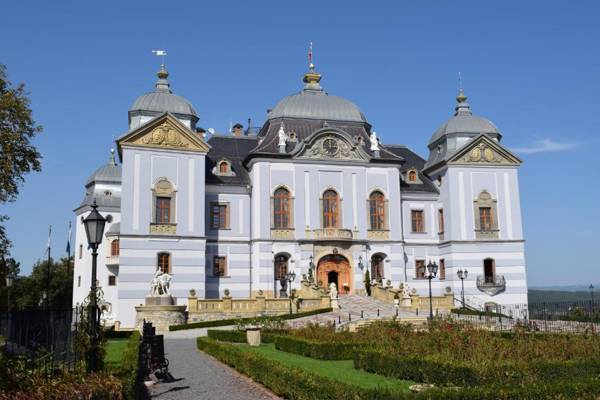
[223, 168]
[412, 176]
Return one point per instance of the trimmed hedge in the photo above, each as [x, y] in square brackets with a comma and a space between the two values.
[231, 321]
[315, 349]
[129, 371]
[295, 384]
[112, 334]
[236, 336]
[428, 370]
[467, 311]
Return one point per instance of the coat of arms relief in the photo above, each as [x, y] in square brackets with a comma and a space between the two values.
[331, 147]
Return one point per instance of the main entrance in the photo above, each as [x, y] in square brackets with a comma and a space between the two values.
[335, 268]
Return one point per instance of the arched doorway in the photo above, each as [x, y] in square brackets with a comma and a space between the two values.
[377, 272]
[335, 268]
[280, 265]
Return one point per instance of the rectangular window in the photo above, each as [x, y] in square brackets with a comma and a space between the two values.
[163, 210]
[220, 266]
[420, 269]
[485, 218]
[441, 220]
[79, 281]
[417, 221]
[80, 251]
[442, 273]
[219, 218]
[112, 280]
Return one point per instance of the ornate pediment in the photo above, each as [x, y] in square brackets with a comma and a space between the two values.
[164, 132]
[331, 146]
[483, 150]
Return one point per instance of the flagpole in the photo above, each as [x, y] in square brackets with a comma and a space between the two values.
[47, 297]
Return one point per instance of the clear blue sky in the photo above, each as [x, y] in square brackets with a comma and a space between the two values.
[533, 68]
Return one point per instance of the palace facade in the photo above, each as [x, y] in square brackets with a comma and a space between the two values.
[313, 191]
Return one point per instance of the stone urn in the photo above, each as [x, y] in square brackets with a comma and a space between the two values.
[253, 335]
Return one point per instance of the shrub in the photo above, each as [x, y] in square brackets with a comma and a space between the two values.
[227, 322]
[112, 334]
[129, 372]
[330, 350]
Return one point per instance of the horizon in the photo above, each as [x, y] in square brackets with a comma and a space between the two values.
[527, 68]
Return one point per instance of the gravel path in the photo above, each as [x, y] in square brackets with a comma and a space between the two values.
[199, 376]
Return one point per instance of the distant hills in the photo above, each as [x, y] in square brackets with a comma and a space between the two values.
[537, 295]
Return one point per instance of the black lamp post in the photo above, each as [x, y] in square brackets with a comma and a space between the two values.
[432, 269]
[9, 282]
[290, 277]
[462, 275]
[94, 230]
[592, 294]
[311, 267]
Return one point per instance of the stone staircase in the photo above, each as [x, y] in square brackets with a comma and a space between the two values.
[358, 311]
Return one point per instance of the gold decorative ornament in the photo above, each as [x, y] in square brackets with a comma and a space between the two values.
[475, 154]
[165, 135]
[488, 154]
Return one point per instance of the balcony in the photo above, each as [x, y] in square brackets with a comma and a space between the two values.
[163, 229]
[112, 261]
[332, 234]
[491, 285]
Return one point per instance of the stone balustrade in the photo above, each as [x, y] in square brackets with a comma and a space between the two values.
[307, 298]
[387, 293]
[332, 234]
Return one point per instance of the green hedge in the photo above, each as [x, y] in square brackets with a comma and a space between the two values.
[295, 384]
[236, 336]
[112, 334]
[129, 371]
[467, 311]
[427, 370]
[227, 322]
[328, 350]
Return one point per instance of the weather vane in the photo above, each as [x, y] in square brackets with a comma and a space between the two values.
[460, 85]
[162, 54]
[310, 56]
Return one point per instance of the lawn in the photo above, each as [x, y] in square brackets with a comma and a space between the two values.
[114, 352]
[342, 370]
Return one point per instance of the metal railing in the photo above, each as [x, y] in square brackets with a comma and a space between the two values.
[491, 284]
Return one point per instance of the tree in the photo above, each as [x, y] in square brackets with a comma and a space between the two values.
[368, 282]
[26, 292]
[17, 155]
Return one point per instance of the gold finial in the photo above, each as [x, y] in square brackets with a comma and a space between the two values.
[461, 98]
[163, 73]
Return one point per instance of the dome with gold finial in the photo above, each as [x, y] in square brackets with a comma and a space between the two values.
[464, 122]
[161, 100]
[314, 103]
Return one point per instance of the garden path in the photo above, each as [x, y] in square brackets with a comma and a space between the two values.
[199, 376]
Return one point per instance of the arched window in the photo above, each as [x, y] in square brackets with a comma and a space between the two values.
[164, 262]
[331, 209]
[489, 270]
[377, 210]
[377, 267]
[486, 216]
[223, 167]
[114, 247]
[282, 207]
[412, 176]
[164, 202]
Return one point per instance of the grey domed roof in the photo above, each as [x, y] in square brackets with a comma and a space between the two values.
[464, 121]
[163, 99]
[108, 173]
[314, 103]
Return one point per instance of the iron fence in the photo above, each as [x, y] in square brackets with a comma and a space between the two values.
[45, 339]
[557, 317]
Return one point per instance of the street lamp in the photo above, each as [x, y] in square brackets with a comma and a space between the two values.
[592, 294]
[311, 267]
[290, 277]
[432, 269]
[94, 230]
[9, 282]
[462, 275]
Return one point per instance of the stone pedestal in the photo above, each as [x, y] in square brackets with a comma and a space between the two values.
[253, 335]
[161, 311]
[334, 304]
[406, 301]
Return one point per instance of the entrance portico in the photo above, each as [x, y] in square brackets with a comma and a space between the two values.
[335, 268]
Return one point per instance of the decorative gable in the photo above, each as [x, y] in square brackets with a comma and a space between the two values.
[164, 132]
[328, 144]
[484, 151]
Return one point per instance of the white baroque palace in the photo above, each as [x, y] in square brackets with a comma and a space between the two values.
[313, 188]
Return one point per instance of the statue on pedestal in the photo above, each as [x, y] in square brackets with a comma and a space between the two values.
[161, 284]
[333, 294]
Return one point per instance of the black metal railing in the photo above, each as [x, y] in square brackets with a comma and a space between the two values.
[491, 285]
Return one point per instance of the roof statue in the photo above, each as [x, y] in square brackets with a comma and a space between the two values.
[281, 134]
[374, 142]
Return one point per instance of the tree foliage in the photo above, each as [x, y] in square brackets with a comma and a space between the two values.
[26, 292]
[17, 155]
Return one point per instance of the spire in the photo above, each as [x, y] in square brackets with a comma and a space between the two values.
[462, 108]
[311, 78]
[162, 85]
[111, 159]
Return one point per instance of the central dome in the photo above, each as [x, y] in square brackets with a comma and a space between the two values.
[314, 103]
